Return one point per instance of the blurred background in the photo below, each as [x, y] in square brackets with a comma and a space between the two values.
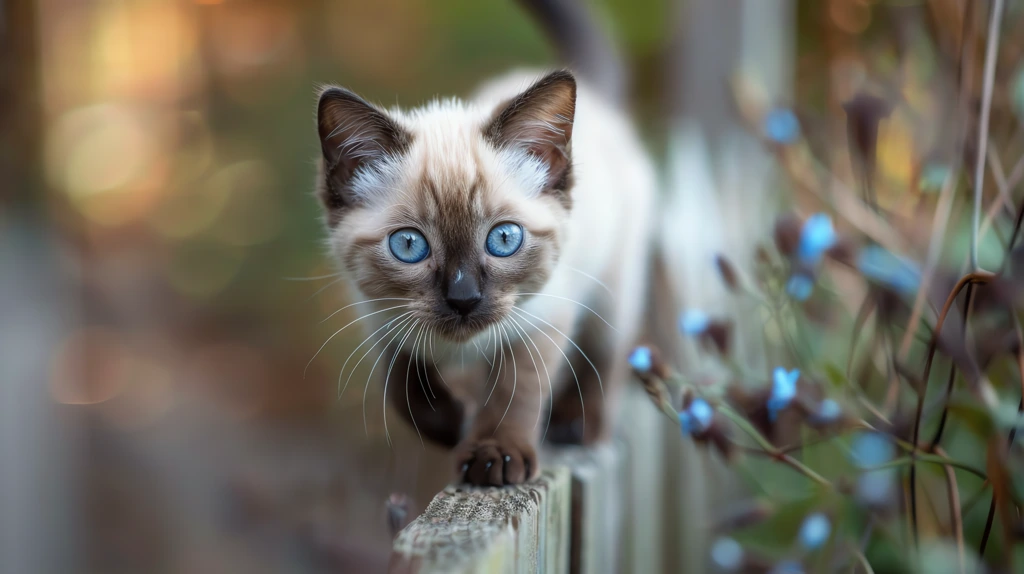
[162, 273]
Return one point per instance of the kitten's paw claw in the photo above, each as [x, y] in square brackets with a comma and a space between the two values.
[496, 461]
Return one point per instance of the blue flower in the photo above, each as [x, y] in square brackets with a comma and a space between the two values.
[828, 411]
[640, 359]
[783, 390]
[815, 531]
[876, 487]
[871, 449]
[781, 126]
[881, 265]
[800, 287]
[727, 554]
[697, 418]
[816, 237]
[693, 322]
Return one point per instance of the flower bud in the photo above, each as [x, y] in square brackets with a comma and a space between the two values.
[815, 530]
[783, 391]
[728, 273]
[781, 126]
[787, 234]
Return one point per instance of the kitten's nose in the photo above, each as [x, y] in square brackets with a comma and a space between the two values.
[464, 305]
[463, 292]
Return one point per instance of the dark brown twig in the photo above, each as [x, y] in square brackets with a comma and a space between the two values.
[964, 281]
[952, 376]
[956, 516]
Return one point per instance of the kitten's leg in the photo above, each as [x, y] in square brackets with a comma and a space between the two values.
[608, 351]
[421, 398]
[580, 414]
[501, 446]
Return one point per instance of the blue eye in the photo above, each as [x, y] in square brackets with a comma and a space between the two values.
[408, 245]
[504, 240]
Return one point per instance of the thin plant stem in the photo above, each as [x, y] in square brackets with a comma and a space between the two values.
[991, 53]
[765, 445]
[945, 205]
[922, 392]
[863, 562]
[988, 526]
[952, 376]
[931, 459]
[956, 517]
[768, 447]
[975, 498]
[1009, 440]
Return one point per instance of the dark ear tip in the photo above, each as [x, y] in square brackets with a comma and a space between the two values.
[329, 92]
[337, 95]
[333, 93]
[561, 77]
[327, 95]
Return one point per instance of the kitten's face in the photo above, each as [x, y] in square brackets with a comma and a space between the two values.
[452, 211]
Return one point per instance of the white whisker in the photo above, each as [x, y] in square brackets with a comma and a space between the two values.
[347, 325]
[596, 314]
[540, 391]
[366, 340]
[362, 302]
[399, 329]
[434, 361]
[515, 376]
[480, 352]
[595, 279]
[316, 278]
[501, 364]
[384, 399]
[421, 339]
[600, 385]
[493, 355]
[408, 403]
[324, 288]
[579, 389]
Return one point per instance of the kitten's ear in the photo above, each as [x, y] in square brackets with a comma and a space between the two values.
[353, 133]
[539, 121]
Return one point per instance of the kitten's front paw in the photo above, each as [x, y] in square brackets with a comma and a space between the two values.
[496, 461]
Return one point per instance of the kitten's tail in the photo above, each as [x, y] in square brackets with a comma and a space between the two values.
[583, 44]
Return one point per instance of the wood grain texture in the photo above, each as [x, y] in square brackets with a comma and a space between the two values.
[508, 530]
[597, 484]
[596, 510]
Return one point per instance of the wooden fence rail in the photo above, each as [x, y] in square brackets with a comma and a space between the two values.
[596, 510]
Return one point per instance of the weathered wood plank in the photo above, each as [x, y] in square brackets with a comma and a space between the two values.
[594, 510]
[596, 505]
[642, 429]
[508, 530]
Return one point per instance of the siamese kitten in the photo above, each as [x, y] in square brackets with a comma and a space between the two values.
[501, 245]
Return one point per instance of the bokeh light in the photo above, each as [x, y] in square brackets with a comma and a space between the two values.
[106, 159]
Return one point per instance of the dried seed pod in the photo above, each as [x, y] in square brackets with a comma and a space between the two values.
[744, 514]
[863, 115]
[844, 251]
[719, 335]
[728, 273]
[787, 234]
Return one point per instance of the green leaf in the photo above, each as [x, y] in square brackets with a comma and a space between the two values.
[974, 416]
[836, 377]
